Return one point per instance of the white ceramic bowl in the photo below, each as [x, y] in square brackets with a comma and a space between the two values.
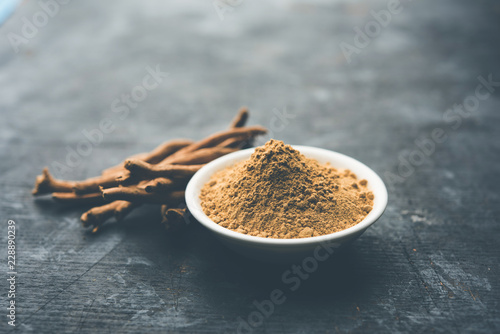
[285, 250]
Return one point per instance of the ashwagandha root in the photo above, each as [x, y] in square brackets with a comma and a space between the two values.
[235, 143]
[140, 195]
[171, 167]
[155, 156]
[158, 177]
[140, 171]
[111, 179]
[166, 149]
[92, 185]
[72, 198]
[95, 217]
[241, 118]
[238, 122]
[201, 156]
[174, 218]
[164, 184]
[46, 184]
[117, 169]
[149, 170]
[217, 138]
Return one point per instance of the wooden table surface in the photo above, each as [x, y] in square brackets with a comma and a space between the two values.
[414, 94]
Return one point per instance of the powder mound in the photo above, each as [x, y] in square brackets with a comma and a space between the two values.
[280, 193]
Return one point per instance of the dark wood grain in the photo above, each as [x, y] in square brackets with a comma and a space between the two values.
[429, 265]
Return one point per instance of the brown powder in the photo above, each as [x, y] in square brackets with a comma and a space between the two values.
[279, 193]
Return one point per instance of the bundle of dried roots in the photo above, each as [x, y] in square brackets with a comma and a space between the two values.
[158, 177]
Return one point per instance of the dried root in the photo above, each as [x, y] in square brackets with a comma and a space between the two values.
[140, 195]
[149, 170]
[164, 184]
[157, 177]
[72, 198]
[97, 216]
[46, 184]
[155, 156]
[217, 138]
[241, 118]
[93, 184]
[174, 218]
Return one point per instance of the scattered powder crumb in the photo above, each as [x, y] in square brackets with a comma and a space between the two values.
[279, 193]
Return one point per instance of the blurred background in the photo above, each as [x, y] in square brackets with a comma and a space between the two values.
[365, 78]
[69, 62]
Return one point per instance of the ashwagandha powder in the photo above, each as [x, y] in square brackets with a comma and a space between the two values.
[279, 193]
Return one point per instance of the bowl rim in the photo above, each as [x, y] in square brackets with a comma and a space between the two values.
[199, 179]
